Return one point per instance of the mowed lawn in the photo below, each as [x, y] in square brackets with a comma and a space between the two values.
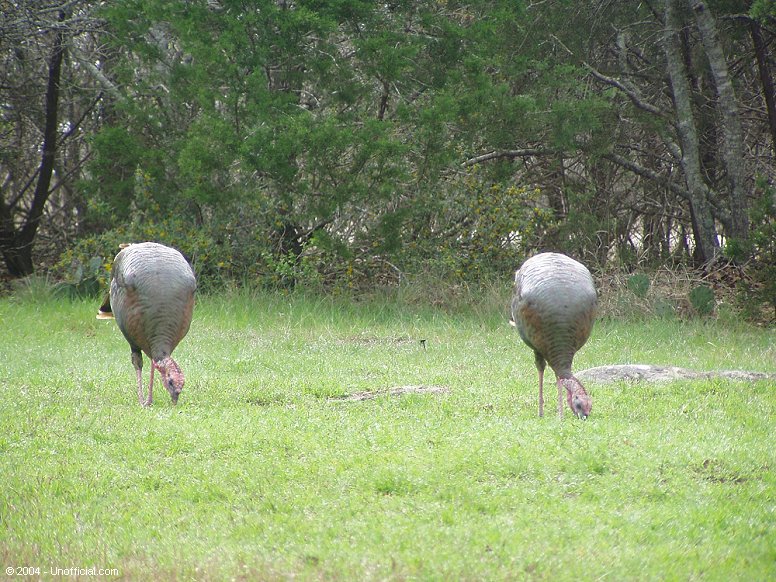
[263, 472]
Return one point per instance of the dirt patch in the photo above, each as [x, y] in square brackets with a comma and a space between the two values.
[372, 340]
[717, 472]
[397, 391]
[650, 373]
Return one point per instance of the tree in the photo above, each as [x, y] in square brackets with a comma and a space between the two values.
[766, 78]
[690, 157]
[732, 146]
[323, 118]
[36, 37]
[270, 137]
[700, 131]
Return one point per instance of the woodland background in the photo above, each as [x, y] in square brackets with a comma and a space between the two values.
[344, 144]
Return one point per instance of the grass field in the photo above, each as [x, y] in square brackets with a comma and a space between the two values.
[263, 473]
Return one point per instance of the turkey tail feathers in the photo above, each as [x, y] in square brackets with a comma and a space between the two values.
[105, 311]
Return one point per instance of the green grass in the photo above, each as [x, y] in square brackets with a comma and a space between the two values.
[259, 473]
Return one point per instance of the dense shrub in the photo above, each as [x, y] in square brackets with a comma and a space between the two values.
[702, 299]
[639, 285]
[757, 287]
[478, 229]
[196, 244]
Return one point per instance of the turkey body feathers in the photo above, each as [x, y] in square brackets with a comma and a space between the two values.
[152, 297]
[553, 307]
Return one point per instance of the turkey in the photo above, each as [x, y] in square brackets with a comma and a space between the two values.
[152, 299]
[553, 308]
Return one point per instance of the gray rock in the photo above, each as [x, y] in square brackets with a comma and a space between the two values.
[651, 373]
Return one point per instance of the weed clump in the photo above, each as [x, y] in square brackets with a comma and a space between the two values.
[702, 299]
[639, 285]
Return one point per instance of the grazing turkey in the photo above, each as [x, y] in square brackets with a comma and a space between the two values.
[152, 299]
[553, 308]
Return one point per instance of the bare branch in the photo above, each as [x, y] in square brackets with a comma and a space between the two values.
[644, 172]
[677, 189]
[630, 91]
[96, 73]
[523, 153]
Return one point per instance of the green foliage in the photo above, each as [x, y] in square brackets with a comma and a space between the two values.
[114, 167]
[481, 228]
[583, 230]
[85, 279]
[325, 144]
[639, 285]
[702, 299]
[205, 159]
[758, 287]
[199, 246]
[664, 309]
[329, 144]
[763, 238]
[77, 280]
[340, 128]
[763, 10]
[223, 252]
[289, 271]
[35, 289]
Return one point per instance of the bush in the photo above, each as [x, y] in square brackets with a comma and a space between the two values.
[478, 229]
[85, 267]
[702, 299]
[85, 278]
[639, 285]
[35, 289]
[756, 287]
[222, 253]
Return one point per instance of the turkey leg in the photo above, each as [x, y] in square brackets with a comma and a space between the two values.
[560, 400]
[137, 362]
[150, 398]
[540, 365]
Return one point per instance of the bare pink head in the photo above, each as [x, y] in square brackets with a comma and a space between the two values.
[579, 400]
[172, 377]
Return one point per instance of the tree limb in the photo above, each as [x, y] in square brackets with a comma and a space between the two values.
[96, 73]
[722, 214]
[522, 153]
[631, 92]
[644, 172]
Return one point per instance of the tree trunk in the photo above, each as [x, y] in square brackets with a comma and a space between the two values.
[732, 131]
[704, 232]
[556, 188]
[16, 245]
[761, 54]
